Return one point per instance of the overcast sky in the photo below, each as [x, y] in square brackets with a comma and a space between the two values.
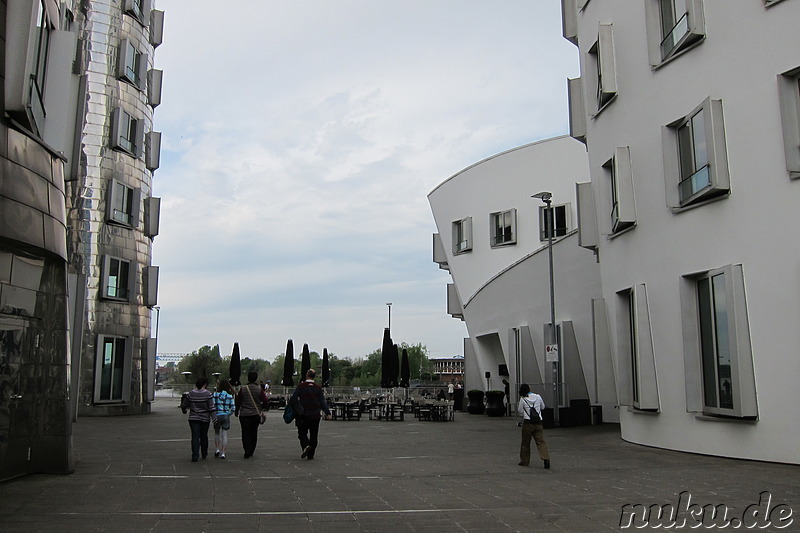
[300, 141]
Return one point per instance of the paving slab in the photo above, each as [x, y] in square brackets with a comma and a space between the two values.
[134, 474]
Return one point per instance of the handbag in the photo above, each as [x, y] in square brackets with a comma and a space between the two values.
[288, 413]
[262, 414]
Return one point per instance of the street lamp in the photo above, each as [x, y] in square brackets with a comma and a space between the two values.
[549, 227]
[389, 304]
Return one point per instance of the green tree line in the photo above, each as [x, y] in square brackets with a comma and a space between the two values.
[362, 372]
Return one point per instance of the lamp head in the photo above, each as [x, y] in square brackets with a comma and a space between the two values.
[543, 196]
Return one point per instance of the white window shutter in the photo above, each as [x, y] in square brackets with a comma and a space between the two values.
[626, 212]
[138, 140]
[156, 27]
[153, 150]
[154, 79]
[577, 109]
[608, 69]
[152, 216]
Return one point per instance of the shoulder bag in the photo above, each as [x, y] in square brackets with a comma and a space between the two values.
[262, 414]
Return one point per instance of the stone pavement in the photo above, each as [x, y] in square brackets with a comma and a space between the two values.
[134, 474]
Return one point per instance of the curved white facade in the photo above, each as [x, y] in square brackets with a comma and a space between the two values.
[502, 290]
[700, 278]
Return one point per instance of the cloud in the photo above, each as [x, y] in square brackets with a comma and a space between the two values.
[300, 140]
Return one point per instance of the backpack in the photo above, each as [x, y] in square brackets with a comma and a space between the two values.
[185, 402]
[533, 414]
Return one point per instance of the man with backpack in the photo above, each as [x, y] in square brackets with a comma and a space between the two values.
[530, 407]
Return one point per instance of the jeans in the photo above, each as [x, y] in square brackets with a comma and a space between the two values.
[199, 438]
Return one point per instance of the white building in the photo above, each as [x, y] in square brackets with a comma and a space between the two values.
[491, 237]
[690, 112]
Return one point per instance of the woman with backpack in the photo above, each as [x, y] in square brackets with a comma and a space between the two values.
[530, 407]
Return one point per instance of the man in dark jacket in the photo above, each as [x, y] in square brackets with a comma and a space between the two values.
[312, 400]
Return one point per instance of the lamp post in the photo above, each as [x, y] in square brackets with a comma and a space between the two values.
[549, 226]
[389, 305]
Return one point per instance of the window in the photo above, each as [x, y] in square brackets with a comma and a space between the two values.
[717, 353]
[138, 9]
[127, 132]
[695, 156]
[123, 204]
[503, 226]
[673, 26]
[602, 53]
[623, 208]
[546, 222]
[117, 279]
[462, 235]
[789, 92]
[112, 375]
[638, 385]
[132, 64]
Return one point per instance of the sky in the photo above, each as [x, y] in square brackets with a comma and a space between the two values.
[300, 139]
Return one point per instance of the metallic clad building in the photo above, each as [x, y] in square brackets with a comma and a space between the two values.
[77, 219]
[112, 216]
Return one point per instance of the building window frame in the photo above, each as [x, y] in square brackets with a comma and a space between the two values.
[462, 235]
[132, 64]
[673, 27]
[112, 369]
[695, 157]
[503, 228]
[716, 330]
[118, 277]
[604, 64]
[139, 10]
[123, 204]
[127, 132]
[789, 98]
[623, 202]
[638, 385]
[562, 215]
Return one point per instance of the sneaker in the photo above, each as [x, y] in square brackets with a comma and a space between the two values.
[522, 464]
[547, 464]
[305, 452]
[216, 454]
[222, 456]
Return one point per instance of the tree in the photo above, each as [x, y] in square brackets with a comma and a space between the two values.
[203, 363]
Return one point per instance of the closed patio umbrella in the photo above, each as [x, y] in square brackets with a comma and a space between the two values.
[288, 365]
[395, 375]
[386, 351]
[405, 370]
[326, 368]
[305, 363]
[235, 367]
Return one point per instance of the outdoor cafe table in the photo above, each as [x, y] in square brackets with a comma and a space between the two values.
[386, 411]
[347, 410]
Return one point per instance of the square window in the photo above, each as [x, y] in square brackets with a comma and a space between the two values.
[553, 221]
[127, 132]
[123, 204]
[503, 225]
[117, 279]
[673, 26]
[695, 157]
[462, 235]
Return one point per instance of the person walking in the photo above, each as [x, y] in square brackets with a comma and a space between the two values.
[312, 400]
[248, 408]
[224, 407]
[201, 407]
[530, 407]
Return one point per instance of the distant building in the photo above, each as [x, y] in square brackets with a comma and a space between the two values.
[448, 368]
